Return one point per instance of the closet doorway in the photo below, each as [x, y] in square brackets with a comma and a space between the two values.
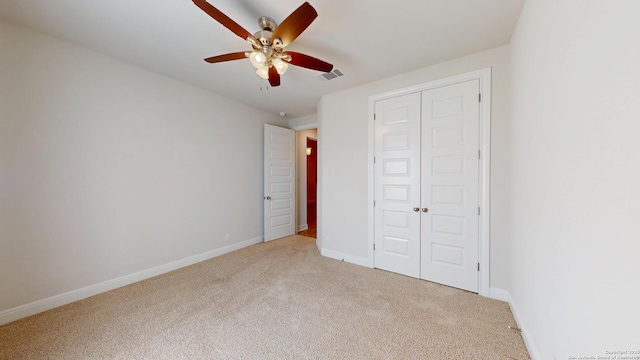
[430, 156]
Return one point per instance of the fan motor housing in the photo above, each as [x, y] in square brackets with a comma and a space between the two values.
[264, 36]
[267, 25]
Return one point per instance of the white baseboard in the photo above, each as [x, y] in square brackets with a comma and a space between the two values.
[528, 341]
[22, 311]
[499, 294]
[345, 257]
[303, 227]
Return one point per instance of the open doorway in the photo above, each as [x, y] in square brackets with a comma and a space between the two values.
[307, 176]
[312, 185]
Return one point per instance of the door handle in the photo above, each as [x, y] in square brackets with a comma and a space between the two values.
[425, 209]
[267, 197]
[416, 209]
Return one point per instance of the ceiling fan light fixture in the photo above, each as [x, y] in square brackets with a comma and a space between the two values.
[263, 72]
[280, 65]
[258, 59]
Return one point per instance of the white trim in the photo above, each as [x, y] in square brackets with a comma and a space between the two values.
[528, 341]
[499, 294]
[303, 227]
[485, 180]
[484, 75]
[22, 311]
[345, 257]
[305, 127]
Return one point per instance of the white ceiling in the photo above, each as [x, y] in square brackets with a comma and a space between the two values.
[366, 39]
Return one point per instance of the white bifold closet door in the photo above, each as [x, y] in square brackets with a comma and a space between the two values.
[427, 185]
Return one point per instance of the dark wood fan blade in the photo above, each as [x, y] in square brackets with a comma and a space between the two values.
[308, 62]
[224, 20]
[227, 57]
[274, 77]
[295, 24]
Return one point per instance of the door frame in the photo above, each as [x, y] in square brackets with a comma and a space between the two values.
[484, 75]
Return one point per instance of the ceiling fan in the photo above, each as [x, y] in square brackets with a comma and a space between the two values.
[268, 55]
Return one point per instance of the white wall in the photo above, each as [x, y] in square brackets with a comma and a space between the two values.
[343, 163]
[301, 175]
[575, 161]
[107, 169]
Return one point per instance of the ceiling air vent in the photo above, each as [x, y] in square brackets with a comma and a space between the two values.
[331, 75]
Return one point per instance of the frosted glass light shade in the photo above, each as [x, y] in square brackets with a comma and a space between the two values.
[263, 72]
[258, 59]
[281, 66]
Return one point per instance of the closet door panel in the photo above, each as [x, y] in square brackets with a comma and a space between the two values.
[397, 185]
[449, 183]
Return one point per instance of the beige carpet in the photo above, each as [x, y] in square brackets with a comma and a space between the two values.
[277, 300]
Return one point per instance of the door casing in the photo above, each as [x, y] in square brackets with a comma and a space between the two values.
[484, 75]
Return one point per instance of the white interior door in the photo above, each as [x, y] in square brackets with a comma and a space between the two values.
[279, 182]
[450, 185]
[397, 185]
